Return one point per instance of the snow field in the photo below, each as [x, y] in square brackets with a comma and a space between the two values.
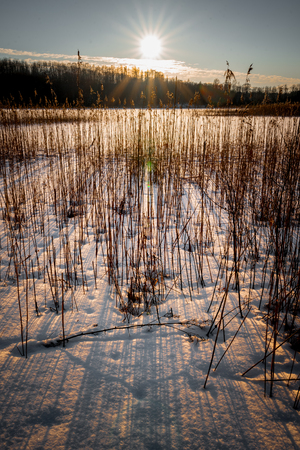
[138, 239]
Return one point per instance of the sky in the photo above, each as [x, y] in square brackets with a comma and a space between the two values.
[197, 36]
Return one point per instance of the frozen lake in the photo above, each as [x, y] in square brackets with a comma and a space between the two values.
[136, 247]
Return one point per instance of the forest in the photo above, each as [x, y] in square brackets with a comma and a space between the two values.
[43, 83]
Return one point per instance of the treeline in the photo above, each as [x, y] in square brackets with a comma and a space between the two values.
[81, 84]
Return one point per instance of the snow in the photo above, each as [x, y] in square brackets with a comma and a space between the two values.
[132, 387]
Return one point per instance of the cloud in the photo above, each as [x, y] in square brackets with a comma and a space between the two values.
[170, 68]
[11, 52]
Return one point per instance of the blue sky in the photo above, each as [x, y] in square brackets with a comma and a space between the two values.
[197, 36]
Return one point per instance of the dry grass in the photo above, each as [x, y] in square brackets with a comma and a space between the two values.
[164, 197]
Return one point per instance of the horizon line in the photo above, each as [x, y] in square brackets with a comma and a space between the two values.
[169, 67]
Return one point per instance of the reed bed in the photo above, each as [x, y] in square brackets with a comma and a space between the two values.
[154, 201]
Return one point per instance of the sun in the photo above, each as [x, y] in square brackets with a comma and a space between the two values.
[150, 47]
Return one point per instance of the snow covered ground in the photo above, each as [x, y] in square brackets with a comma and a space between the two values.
[139, 388]
[140, 384]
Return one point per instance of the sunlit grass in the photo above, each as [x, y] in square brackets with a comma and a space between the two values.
[169, 199]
